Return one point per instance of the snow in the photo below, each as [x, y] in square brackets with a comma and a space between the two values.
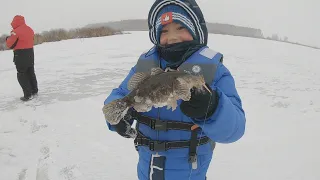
[61, 134]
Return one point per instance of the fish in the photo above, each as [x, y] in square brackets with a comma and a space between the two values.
[157, 88]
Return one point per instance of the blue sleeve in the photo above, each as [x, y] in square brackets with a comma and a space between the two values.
[119, 92]
[227, 124]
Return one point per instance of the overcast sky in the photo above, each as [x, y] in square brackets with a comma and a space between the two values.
[297, 19]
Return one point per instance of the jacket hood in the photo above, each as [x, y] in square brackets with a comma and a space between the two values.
[17, 21]
[190, 7]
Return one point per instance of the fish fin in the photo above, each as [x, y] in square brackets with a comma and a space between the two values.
[142, 107]
[137, 99]
[172, 104]
[136, 79]
[156, 71]
[115, 111]
[182, 90]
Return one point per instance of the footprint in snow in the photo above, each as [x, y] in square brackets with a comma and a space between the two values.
[22, 174]
[36, 127]
[42, 168]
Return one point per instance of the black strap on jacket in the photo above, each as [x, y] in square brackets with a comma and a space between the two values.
[142, 140]
[159, 125]
[14, 44]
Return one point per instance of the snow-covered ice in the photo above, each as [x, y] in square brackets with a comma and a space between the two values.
[61, 134]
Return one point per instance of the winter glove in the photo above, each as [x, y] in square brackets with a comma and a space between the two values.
[201, 105]
[12, 33]
[123, 128]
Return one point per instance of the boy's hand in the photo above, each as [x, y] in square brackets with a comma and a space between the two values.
[201, 105]
[124, 129]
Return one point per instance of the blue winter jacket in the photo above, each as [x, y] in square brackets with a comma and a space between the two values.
[226, 125]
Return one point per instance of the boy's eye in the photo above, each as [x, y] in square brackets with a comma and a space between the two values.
[164, 31]
[181, 28]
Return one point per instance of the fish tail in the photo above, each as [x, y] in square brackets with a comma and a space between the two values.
[115, 110]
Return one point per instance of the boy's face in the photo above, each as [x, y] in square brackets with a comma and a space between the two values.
[174, 33]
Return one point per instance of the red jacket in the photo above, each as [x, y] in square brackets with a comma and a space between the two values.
[22, 36]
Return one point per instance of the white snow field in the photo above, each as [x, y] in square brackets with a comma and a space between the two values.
[62, 135]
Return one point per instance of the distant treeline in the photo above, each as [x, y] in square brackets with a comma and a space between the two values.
[215, 28]
[111, 28]
[142, 25]
[62, 34]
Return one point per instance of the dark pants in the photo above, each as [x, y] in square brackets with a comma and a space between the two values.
[24, 61]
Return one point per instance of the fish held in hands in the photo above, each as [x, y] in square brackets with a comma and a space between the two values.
[154, 89]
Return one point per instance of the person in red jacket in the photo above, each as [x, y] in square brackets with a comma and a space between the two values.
[21, 41]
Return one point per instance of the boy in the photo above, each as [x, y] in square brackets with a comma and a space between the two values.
[179, 144]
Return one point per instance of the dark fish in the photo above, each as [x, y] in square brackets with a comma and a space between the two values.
[155, 89]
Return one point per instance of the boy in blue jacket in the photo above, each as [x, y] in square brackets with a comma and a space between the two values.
[179, 144]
